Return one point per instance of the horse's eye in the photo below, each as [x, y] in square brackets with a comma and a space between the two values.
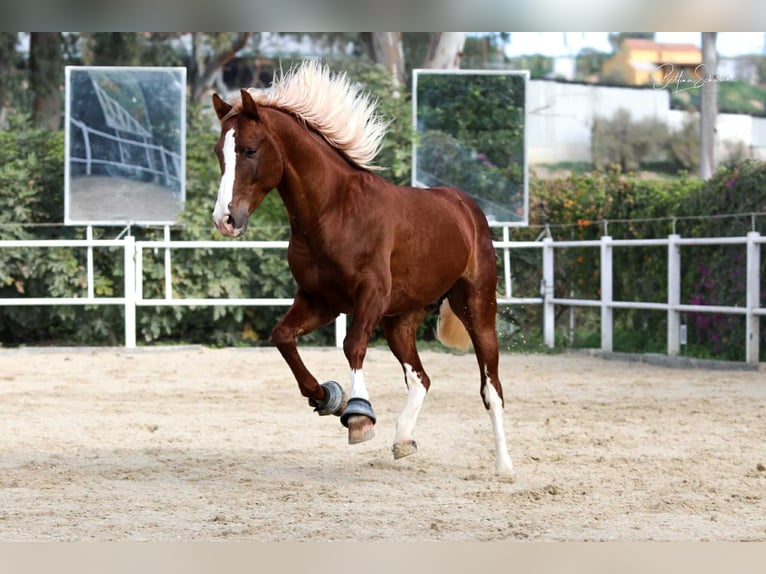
[250, 152]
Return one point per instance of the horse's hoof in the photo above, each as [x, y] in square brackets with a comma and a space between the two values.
[360, 429]
[334, 402]
[506, 474]
[404, 448]
[360, 420]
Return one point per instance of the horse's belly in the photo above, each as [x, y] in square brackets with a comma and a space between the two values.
[421, 283]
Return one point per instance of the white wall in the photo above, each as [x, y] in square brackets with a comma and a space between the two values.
[560, 116]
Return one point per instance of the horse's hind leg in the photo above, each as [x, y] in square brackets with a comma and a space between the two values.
[400, 333]
[477, 309]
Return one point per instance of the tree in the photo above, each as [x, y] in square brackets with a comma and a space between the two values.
[210, 53]
[708, 104]
[386, 48]
[46, 75]
[112, 49]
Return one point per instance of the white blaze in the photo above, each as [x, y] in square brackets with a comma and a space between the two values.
[226, 188]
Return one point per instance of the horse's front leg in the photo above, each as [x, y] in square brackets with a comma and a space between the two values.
[304, 316]
[358, 415]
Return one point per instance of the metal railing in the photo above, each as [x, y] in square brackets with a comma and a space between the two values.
[133, 297]
[151, 158]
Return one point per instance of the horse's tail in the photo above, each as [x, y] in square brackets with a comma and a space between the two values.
[450, 330]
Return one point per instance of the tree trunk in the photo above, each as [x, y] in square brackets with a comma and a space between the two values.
[446, 50]
[386, 49]
[45, 79]
[708, 104]
[8, 72]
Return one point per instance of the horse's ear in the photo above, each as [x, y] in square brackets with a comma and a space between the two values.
[249, 107]
[221, 108]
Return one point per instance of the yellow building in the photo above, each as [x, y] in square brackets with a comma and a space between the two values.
[642, 62]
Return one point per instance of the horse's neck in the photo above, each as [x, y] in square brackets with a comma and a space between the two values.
[313, 172]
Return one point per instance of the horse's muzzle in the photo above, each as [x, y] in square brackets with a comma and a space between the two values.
[229, 226]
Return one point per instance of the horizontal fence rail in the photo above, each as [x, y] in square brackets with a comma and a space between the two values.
[133, 297]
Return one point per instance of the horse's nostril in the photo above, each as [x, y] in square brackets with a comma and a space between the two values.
[229, 220]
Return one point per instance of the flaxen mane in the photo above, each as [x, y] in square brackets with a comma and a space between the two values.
[330, 104]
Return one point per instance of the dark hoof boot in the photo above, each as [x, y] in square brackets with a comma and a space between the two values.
[334, 401]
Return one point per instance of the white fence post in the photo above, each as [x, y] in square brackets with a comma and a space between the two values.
[674, 294]
[168, 267]
[340, 330]
[89, 257]
[130, 291]
[547, 293]
[507, 263]
[607, 312]
[752, 323]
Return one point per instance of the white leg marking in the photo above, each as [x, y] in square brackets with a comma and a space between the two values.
[358, 389]
[405, 424]
[503, 463]
[226, 188]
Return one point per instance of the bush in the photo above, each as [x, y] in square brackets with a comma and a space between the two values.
[632, 144]
[627, 143]
[684, 145]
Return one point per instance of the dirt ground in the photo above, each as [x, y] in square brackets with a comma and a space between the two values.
[200, 444]
[102, 198]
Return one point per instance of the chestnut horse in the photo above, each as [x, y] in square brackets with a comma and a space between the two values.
[382, 253]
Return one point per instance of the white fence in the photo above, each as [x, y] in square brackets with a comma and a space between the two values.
[133, 298]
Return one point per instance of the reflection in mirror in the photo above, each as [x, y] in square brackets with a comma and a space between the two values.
[471, 135]
[125, 144]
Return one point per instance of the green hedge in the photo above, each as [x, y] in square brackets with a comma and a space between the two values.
[588, 206]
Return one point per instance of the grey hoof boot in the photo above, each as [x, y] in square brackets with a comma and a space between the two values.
[357, 406]
[334, 402]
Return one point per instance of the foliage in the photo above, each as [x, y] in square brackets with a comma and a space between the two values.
[395, 156]
[471, 137]
[628, 143]
[635, 144]
[684, 145]
[733, 97]
[587, 206]
[715, 275]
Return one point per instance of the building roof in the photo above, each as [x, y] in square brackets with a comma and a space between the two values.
[646, 44]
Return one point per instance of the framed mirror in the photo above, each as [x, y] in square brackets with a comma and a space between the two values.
[125, 145]
[471, 127]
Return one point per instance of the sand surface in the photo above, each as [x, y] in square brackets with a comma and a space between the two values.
[201, 444]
